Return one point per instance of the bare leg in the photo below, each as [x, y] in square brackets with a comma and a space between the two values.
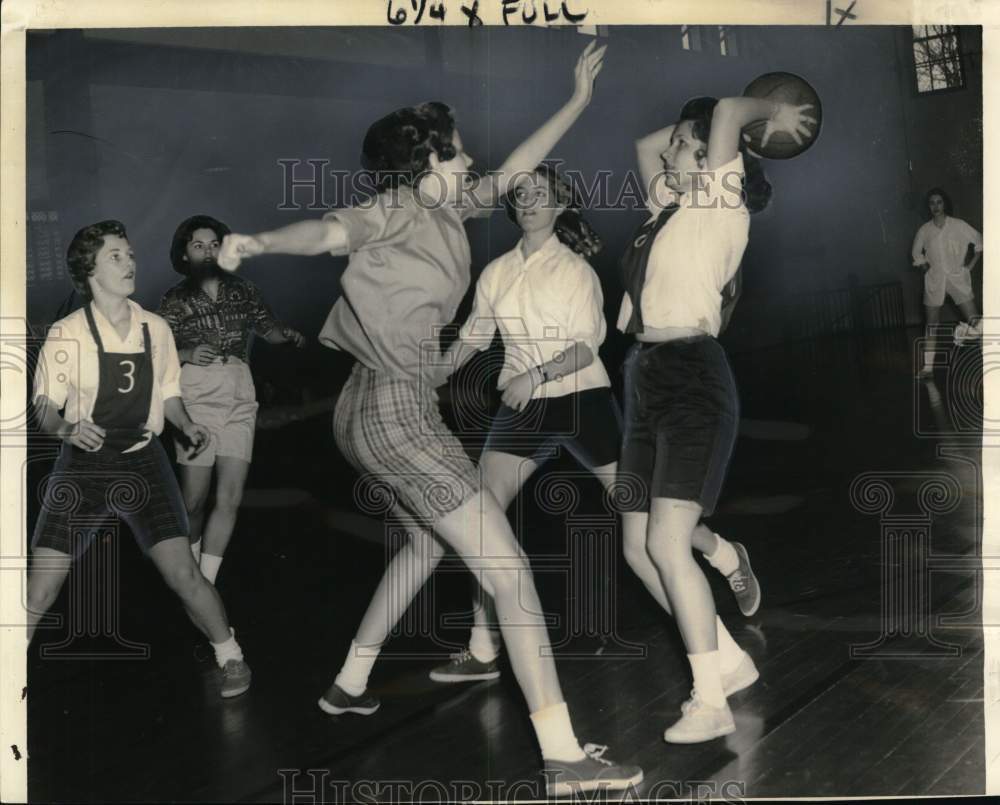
[49, 569]
[669, 531]
[634, 525]
[230, 480]
[933, 318]
[503, 474]
[173, 559]
[478, 530]
[195, 485]
[404, 576]
[970, 312]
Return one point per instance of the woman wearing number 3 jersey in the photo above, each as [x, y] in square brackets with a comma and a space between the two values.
[113, 368]
[408, 271]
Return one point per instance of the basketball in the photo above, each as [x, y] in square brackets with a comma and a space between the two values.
[784, 88]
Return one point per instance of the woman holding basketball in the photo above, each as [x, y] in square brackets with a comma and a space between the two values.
[546, 301]
[408, 271]
[681, 407]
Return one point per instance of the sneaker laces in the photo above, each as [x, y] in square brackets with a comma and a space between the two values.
[738, 581]
[462, 656]
[691, 703]
[596, 752]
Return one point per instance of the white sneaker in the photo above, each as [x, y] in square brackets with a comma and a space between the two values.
[700, 722]
[741, 677]
[961, 333]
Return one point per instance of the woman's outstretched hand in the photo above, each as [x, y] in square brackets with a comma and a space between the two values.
[236, 248]
[588, 67]
[791, 120]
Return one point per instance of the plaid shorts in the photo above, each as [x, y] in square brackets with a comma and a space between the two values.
[391, 430]
[85, 489]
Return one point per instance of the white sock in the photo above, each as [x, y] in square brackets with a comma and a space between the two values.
[484, 643]
[928, 360]
[730, 653]
[196, 550]
[724, 559]
[707, 679]
[209, 565]
[230, 650]
[353, 677]
[555, 733]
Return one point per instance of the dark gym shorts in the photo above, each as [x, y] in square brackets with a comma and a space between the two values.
[84, 489]
[681, 419]
[587, 423]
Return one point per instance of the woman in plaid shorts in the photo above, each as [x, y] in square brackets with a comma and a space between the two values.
[111, 368]
[408, 272]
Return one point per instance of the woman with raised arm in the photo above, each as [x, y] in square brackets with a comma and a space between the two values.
[408, 272]
[681, 406]
[546, 301]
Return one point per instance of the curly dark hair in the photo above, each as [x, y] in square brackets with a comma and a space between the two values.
[949, 208]
[83, 249]
[397, 148]
[570, 227]
[182, 237]
[757, 189]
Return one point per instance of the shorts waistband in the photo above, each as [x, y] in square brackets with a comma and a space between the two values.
[643, 346]
[116, 446]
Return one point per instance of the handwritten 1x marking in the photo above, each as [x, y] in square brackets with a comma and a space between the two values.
[844, 15]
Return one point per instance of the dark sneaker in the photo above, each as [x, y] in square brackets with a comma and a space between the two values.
[744, 583]
[566, 778]
[235, 678]
[700, 722]
[464, 667]
[742, 676]
[336, 701]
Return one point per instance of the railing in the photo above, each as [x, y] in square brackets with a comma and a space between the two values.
[863, 326]
[856, 309]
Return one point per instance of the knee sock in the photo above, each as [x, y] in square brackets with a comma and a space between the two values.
[484, 643]
[353, 676]
[209, 565]
[707, 679]
[555, 733]
[724, 559]
[228, 650]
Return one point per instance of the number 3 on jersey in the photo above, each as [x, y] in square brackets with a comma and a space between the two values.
[128, 375]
